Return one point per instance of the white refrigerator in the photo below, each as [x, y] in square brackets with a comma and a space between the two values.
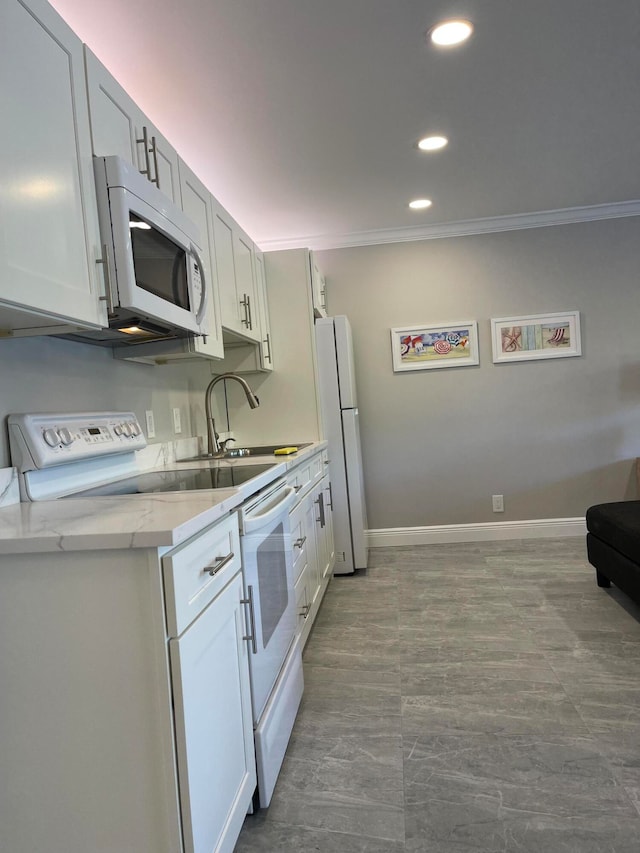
[339, 408]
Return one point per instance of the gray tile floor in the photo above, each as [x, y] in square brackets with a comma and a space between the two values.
[473, 697]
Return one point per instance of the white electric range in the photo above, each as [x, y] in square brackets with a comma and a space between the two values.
[93, 454]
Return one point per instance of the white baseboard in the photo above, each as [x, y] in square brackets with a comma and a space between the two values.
[440, 534]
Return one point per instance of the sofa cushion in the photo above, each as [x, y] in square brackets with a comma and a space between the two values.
[618, 524]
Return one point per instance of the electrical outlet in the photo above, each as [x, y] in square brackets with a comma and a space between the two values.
[498, 503]
[151, 427]
[177, 426]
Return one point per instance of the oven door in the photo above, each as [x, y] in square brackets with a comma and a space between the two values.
[268, 577]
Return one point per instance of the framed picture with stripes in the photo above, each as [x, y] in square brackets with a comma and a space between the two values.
[536, 336]
[422, 347]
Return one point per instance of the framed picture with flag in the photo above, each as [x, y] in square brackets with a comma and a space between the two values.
[425, 347]
[536, 336]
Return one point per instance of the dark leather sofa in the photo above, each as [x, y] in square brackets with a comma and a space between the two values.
[613, 545]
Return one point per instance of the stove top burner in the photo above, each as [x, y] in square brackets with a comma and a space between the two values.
[187, 480]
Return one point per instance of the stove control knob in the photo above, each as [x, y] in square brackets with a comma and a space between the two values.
[51, 437]
[134, 429]
[118, 429]
[65, 437]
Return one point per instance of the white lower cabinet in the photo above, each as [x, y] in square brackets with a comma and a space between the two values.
[216, 764]
[312, 540]
[125, 710]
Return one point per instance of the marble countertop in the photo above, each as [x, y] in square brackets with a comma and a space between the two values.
[163, 519]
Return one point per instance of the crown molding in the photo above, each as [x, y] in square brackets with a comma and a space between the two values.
[462, 228]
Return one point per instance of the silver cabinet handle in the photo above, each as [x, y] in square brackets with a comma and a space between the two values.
[328, 489]
[320, 501]
[154, 151]
[108, 296]
[247, 310]
[300, 542]
[145, 143]
[297, 488]
[305, 610]
[245, 304]
[252, 620]
[220, 563]
[267, 341]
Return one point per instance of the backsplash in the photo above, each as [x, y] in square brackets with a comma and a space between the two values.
[43, 374]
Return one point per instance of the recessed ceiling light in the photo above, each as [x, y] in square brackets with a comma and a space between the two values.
[449, 33]
[432, 143]
[420, 203]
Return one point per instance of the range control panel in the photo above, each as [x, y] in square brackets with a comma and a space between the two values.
[43, 440]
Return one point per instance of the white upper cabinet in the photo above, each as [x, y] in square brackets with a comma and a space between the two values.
[236, 276]
[266, 346]
[243, 251]
[49, 236]
[318, 289]
[243, 355]
[118, 126]
[197, 204]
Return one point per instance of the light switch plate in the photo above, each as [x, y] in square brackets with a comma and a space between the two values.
[151, 427]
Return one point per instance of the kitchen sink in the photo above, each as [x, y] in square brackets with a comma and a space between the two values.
[243, 452]
[266, 449]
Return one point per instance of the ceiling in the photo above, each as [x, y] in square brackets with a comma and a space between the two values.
[302, 116]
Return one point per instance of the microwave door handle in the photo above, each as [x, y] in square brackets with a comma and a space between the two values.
[175, 286]
[204, 297]
[254, 522]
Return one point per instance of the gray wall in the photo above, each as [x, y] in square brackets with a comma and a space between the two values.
[52, 375]
[553, 436]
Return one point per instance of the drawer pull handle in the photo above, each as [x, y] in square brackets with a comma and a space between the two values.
[305, 610]
[220, 563]
[326, 461]
[251, 637]
[300, 542]
[297, 488]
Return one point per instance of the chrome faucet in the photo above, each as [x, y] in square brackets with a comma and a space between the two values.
[213, 446]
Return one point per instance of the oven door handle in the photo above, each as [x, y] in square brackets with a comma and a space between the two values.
[254, 522]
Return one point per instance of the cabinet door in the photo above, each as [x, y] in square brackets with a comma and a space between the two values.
[225, 268]
[118, 126]
[243, 253]
[314, 572]
[330, 548]
[49, 236]
[318, 288]
[266, 345]
[196, 203]
[214, 730]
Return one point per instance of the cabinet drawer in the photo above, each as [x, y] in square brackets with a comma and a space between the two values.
[197, 571]
[300, 478]
[306, 474]
[300, 541]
